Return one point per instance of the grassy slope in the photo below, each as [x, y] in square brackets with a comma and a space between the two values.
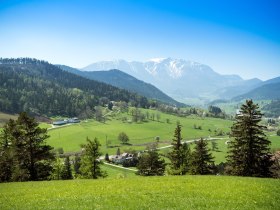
[5, 118]
[187, 192]
[71, 137]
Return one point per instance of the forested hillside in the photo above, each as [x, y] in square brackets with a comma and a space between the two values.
[270, 91]
[125, 81]
[42, 88]
[272, 109]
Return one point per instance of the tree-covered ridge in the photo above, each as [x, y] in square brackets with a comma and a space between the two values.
[269, 91]
[125, 81]
[39, 87]
[272, 109]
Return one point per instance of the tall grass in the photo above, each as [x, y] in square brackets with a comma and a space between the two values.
[171, 192]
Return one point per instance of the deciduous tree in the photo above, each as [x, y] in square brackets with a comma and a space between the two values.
[123, 138]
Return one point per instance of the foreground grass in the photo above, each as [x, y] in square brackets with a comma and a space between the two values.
[187, 192]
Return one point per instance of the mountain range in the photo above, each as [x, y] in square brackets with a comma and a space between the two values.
[183, 80]
[269, 90]
[125, 81]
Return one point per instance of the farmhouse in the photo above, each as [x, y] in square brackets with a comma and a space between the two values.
[119, 159]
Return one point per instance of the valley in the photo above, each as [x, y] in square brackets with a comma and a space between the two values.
[139, 105]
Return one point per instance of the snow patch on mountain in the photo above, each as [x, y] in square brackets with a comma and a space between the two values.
[156, 60]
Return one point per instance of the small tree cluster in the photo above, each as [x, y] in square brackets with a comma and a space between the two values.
[150, 164]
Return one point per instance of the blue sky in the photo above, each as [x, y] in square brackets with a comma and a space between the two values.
[233, 37]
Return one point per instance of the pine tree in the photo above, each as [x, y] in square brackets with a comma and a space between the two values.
[77, 165]
[150, 164]
[107, 157]
[118, 151]
[202, 160]
[6, 153]
[66, 172]
[90, 163]
[23, 142]
[180, 154]
[214, 146]
[248, 153]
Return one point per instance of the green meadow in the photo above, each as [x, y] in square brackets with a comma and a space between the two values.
[141, 134]
[169, 192]
[71, 137]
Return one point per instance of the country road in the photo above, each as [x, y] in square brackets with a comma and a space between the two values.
[194, 140]
[117, 166]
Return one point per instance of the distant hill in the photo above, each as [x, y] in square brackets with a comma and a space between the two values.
[42, 88]
[181, 79]
[272, 109]
[123, 80]
[269, 91]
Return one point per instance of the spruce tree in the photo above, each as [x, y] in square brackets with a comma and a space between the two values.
[201, 160]
[6, 153]
[248, 153]
[179, 155]
[23, 142]
[77, 165]
[66, 172]
[90, 163]
[150, 164]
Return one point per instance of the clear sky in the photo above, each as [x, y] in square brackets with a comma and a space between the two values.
[232, 36]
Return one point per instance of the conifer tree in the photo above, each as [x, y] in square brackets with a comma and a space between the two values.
[90, 163]
[201, 160]
[66, 172]
[6, 155]
[77, 165]
[248, 153]
[180, 154]
[150, 164]
[23, 142]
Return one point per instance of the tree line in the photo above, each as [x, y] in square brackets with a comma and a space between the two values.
[24, 155]
[248, 153]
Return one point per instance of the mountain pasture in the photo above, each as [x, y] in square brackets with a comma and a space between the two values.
[140, 134]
